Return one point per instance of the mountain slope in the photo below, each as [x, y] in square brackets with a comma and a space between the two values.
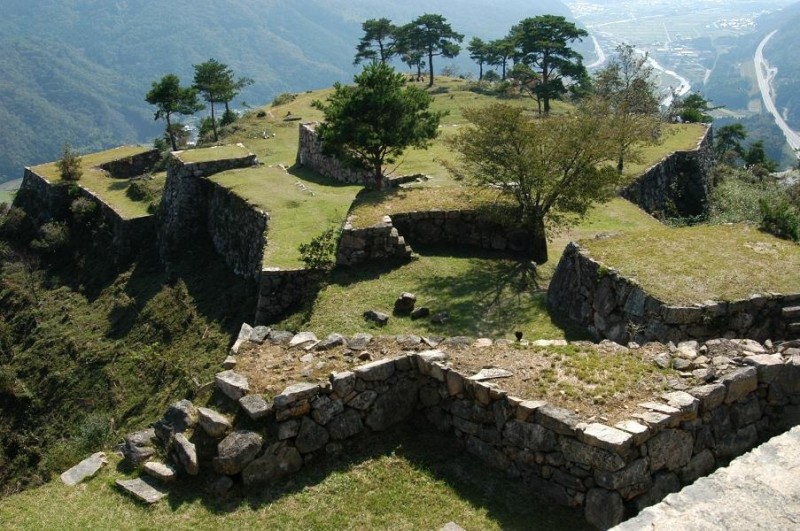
[77, 70]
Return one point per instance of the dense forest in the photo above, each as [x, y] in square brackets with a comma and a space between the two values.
[77, 70]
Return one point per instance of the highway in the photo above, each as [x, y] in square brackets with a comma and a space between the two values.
[765, 75]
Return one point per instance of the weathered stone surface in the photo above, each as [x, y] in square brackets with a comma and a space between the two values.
[376, 371]
[686, 403]
[295, 393]
[260, 334]
[655, 421]
[533, 437]
[557, 419]
[212, 422]
[229, 363]
[255, 406]
[488, 453]
[232, 384]
[735, 444]
[311, 437]
[603, 508]
[739, 383]
[343, 383]
[663, 484]
[631, 481]
[141, 490]
[768, 366]
[700, 465]
[711, 396]
[671, 449]
[323, 409]
[393, 406]
[491, 374]
[222, 486]
[606, 437]
[332, 341]
[426, 360]
[280, 337]
[578, 452]
[236, 450]
[345, 425]
[161, 471]
[405, 303]
[745, 412]
[408, 341]
[187, 454]
[363, 401]
[288, 429]
[86, 469]
[303, 338]
[138, 446]
[639, 431]
[359, 341]
[272, 467]
[376, 317]
[181, 415]
[527, 409]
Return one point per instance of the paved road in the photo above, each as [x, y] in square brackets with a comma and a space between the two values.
[757, 491]
[764, 75]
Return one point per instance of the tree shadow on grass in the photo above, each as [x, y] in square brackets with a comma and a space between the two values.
[505, 500]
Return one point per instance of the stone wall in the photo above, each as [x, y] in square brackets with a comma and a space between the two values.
[619, 309]
[394, 236]
[610, 471]
[679, 185]
[282, 290]
[237, 230]
[42, 200]
[132, 166]
[183, 212]
[309, 154]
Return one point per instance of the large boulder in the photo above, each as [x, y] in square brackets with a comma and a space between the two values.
[236, 451]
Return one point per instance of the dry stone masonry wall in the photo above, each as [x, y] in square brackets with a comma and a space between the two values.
[619, 309]
[679, 185]
[237, 230]
[610, 471]
[132, 166]
[309, 154]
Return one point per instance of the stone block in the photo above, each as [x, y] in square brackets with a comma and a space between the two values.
[630, 481]
[236, 451]
[288, 429]
[295, 393]
[343, 383]
[86, 469]
[526, 409]
[323, 409]
[455, 383]
[393, 406]
[272, 467]
[768, 366]
[639, 431]
[533, 437]
[345, 425]
[232, 384]
[596, 458]
[699, 466]
[359, 341]
[161, 471]
[311, 436]
[303, 338]
[740, 383]
[187, 454]
[212, 422]
[557, 419]
[711, 396]
[376, 371]
[684, 402]
[363, 401]
[255, 406]
[141, 489]
[606, 437]
[603, 508]
[671, 449]
[488, 453]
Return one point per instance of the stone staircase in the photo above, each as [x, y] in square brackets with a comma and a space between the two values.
[791, 316]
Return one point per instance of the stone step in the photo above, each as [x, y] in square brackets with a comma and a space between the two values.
[790, 312]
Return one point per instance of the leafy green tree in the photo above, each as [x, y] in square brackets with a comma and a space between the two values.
[433, 35]
[693, 108]
[69, 165]
[371, 123]
[170, 98]
[211, 79]
[756, 157]
[553, 168]
[410, 48]
[500, 52]
[543, 44]
[480, 53]
[378, 42]
[626, 92]
[728, 141]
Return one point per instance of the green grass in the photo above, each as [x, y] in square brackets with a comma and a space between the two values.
[111, 191]
[399, 481]
[676, 137]
[227, 151]
[296, 215]
[8, 190]
[695, 264]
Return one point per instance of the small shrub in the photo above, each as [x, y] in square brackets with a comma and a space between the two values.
[53, 238]
[83, 211]
[138, 191]
[228, 117]
[283, 98]
[69, 165]
[780, 218]
[320, 252]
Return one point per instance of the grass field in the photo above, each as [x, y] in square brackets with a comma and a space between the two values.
[695, 264]
[227, 151]
[110, 190]
[8, 190]
[404, 480]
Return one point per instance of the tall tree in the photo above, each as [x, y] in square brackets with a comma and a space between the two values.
[371, 123]
[543, 44]
[553, 168]
[626, 92]
[410, 48]
[378, 42]
[500, 52]
[728, 141]
[435, 37]
[211, 81]
[170, 98]
[480, 53]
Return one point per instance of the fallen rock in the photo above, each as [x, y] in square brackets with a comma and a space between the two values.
[332, 341]
[376, 317]
[280, 337]
[441, 317]
[405, 303]
[303, 338]
[138, 446]
[141, 490]
[359, 341]
[187, 454]
[491, 374]
[160, 471]
[420, 313]
[86, 469]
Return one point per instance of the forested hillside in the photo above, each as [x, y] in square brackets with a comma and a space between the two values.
[77, 70]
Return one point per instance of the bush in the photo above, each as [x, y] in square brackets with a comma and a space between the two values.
[283, 98]
[320, 252]
[139, 191]
[53, 238]
[780, 218]
[228, 117]
[69, 165]
[83, 211]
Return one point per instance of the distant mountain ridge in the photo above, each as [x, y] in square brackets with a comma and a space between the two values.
[77, 70]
